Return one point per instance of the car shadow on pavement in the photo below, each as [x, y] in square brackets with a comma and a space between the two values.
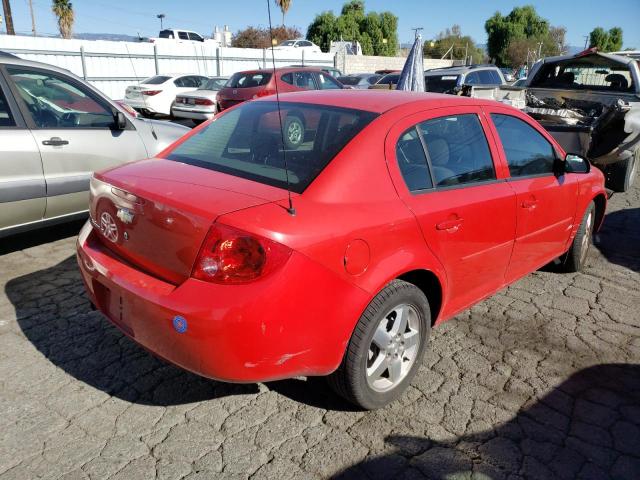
[587, 427]
[619, 239]
[22, 241]
[55, 315]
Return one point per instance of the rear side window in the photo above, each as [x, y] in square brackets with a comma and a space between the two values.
[472, 79]
[6, 120]
[413, 162]
[249, 80]
[527, 151]
[247, 142]
[327, 82]
[303, 80]
[183, 36]
[457, 150]
[486, 77]
[156, 80]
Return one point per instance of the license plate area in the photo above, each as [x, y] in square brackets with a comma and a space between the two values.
[111, 303]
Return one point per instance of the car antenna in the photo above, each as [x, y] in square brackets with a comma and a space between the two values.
[290, 209]
[144, 100]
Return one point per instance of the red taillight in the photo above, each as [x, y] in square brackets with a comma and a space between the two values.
[203, 101]
[229, 255]
[150, 93]
[264, 93]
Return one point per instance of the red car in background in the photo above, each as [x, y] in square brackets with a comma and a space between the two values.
[409, 208]
[252, 84]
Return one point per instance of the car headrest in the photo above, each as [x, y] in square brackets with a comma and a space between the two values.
[617, 80]
[438, 151]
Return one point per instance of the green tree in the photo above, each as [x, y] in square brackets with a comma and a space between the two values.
[63, 9]
[376, 32]
[522, 24]
[459, 44]
[252, 37]
[604, 41]
[284, 6]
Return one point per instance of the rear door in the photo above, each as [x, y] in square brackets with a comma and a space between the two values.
[22, 186]
[451, 178]
[546, 202]
[73, 128]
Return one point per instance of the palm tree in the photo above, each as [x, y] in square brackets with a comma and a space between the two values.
[63, 9]
[8, 19]
[284, 6]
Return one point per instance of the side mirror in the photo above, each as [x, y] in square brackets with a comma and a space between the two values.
[119, 120]
[574, 163]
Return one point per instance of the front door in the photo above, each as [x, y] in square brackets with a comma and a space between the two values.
[74, 130]
[546, 202]
[22, 187]
[465, 209]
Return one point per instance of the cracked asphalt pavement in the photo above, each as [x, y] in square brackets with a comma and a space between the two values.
[539, 381]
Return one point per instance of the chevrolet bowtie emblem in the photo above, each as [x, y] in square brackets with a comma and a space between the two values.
[125, 215]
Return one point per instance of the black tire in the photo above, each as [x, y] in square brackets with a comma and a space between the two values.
[621, 175]
[350, 380]
[575, 259]
[294, 130]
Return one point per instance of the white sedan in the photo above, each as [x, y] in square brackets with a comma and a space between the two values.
[298, 45]
[201, 104]
[156, 94]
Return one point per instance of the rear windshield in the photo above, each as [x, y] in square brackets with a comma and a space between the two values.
[166, 34]
[247, 142]
[440, 83]
[157, 80]
[350, 80]
[587, 73]
[248, 80]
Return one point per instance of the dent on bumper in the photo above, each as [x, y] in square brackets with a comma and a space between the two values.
[297, 321]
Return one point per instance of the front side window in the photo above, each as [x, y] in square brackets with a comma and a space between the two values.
[195, 37]
[486, 77]
[527, 151]
[6, 119]
[247, 142]
[326, 82]
[458, 150]
[55, 102]
[412, 161]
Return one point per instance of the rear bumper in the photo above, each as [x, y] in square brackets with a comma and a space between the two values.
[185, 112]
[297, 321]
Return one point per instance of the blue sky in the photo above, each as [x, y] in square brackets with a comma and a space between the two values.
[130, 17]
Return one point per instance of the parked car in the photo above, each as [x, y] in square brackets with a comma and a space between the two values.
[589, 103]
[451, 79]
[55, 130]
[201, 104]
[179, 36]
[298, 45]
[387, 82]
[359, 80]
[237, 263]
[155, 95]
[243, 86]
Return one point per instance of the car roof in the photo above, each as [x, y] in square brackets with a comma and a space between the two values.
[376, 101]
[456, 70]
[281, 70]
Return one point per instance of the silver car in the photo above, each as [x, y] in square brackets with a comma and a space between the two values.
[199, 105]
[55, 130]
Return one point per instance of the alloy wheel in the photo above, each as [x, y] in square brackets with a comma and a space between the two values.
[586, 239]
[394, 348]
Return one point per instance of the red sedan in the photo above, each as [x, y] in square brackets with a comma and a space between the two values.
[408, 208]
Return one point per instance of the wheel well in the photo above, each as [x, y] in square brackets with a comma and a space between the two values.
[430, 286]
[600, 202]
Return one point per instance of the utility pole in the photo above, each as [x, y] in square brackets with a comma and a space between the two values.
[33, 18]
[8, 19]
[416, 31]
[586, 41]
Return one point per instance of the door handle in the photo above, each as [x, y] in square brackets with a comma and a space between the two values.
[55, 142]
[530, 204]
[453, 224]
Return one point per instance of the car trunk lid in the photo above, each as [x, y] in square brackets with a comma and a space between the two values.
[155, 214]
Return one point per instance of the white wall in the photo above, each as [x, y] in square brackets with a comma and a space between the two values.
[112, 66]
[369, 64]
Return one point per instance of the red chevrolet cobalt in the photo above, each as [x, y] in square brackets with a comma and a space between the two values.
[407, 209]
